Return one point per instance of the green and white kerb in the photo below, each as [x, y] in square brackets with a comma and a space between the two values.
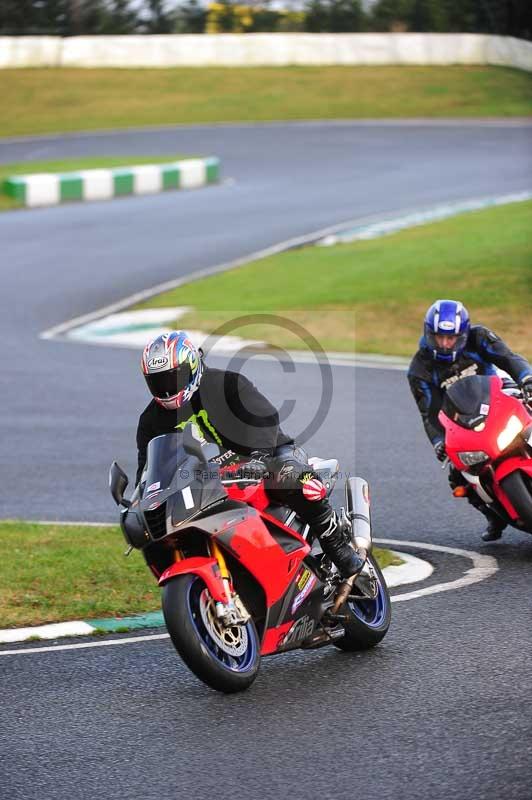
[47, 189]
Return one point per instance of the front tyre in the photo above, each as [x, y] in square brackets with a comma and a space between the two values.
[518, 488]
[226, 659]
[368, 618]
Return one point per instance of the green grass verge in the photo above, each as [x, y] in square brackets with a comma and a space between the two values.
[54, 573]
[371, 296]
[53, 100]
[73, 165]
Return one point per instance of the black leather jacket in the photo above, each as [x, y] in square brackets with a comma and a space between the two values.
[429, 378]
[229, 410]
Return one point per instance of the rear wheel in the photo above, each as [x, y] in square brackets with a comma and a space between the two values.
[518, 488]
[369, 617]
[225, 658]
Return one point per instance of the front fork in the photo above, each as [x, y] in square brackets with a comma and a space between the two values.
[233, 612]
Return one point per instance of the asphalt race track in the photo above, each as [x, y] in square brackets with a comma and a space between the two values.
[440, 708]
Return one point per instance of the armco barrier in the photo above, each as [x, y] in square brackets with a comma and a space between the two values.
[47, 189]
[268, 49]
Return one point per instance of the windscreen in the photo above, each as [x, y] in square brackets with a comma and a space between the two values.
[178, 484]
[164, 456]
[467, 401]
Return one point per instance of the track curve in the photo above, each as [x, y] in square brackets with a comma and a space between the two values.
[438, 707]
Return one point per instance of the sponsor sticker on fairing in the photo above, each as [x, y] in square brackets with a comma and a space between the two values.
[153, 487]
[302, 578]
[301, 629]
[305, 591]
[484, 409]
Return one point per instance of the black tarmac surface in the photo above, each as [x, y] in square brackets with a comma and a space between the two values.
[439, 709]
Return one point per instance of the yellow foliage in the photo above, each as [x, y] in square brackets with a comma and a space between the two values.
[242, 17]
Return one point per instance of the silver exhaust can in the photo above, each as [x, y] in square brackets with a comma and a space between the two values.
[357, 507]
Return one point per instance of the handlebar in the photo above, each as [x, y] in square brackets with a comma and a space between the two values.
[233, 481]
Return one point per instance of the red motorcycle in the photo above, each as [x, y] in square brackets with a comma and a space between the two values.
[239, 577]
[488, 437]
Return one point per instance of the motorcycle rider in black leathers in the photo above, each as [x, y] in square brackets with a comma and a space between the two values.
[232, 413]
[451, 348]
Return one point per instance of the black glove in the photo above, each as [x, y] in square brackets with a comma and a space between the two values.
[526, 388]
[254, 469]
[439, 449]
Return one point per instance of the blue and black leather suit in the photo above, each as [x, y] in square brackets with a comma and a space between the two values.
[429, 377]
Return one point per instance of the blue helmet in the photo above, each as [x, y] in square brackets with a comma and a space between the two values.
[446, 318]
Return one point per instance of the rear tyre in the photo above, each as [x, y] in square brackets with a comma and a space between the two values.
[368, 619]
[518, 488]
[226, 659]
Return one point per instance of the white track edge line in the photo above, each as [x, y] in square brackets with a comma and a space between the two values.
[369, 122]
[85, 645]
[280, 247]
[145, 294]
[483, 567]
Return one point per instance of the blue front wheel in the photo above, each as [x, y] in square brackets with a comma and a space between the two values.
[225, 658]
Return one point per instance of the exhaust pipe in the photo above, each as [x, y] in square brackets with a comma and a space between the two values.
[358, 513]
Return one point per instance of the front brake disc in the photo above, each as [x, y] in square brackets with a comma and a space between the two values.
[233, 640]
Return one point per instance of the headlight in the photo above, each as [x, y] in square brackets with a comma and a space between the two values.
[472, 457]
[514, 426]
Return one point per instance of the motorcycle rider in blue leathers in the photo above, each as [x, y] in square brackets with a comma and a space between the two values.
[451, 348]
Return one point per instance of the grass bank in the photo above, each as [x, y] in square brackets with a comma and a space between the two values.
[72, 165]
[55, 573]
[38, 101]
[370, 296]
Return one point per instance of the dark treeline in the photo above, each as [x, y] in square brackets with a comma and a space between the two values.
[79, 17]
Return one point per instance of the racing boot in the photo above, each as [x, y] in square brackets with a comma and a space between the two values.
[495, 524]
[494, 529]
[335, 543]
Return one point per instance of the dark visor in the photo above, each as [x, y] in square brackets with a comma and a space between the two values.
[168, 383]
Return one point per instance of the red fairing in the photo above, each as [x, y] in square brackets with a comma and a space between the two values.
[504, 469]
[263, 556]
[206, 568]
[510, 465]
[504, 501]
[256, 548]
[459, 439]
[274, 637]
[254, 495]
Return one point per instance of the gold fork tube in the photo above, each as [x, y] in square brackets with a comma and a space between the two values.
[219, 556]
[224, 572]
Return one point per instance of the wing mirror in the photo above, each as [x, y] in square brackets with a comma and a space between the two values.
[118, 482]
